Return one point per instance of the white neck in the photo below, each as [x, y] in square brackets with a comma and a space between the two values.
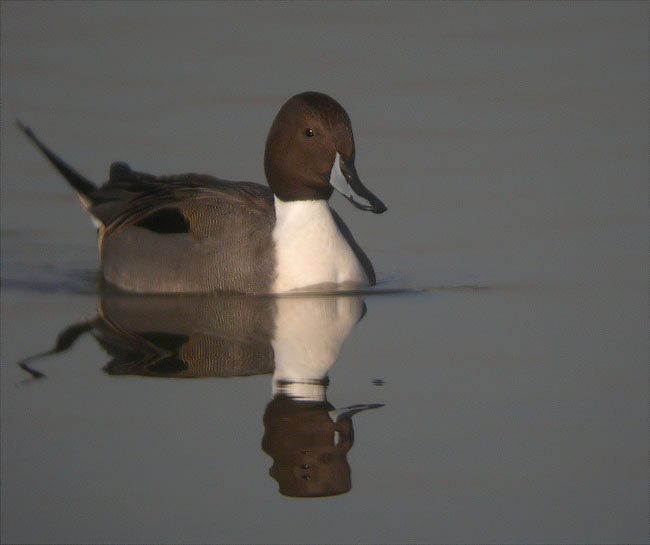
[310, 250]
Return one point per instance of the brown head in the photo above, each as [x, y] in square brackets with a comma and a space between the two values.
[310, 151]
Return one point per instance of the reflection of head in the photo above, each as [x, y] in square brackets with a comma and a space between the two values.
[308, 448]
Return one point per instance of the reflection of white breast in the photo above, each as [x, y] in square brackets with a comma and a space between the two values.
[310, 249]
[309, 333]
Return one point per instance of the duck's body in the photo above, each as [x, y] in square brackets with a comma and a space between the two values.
[186, 233]
[196, 233]
[193, 233]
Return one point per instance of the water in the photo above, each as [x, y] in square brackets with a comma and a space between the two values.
[502, 372]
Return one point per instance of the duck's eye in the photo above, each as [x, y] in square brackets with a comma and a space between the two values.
[309, 133]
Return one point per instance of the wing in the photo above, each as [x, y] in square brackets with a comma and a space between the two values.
[184, 233]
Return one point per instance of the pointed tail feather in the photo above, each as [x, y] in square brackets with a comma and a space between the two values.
[82, 185]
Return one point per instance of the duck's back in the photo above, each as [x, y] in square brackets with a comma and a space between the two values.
[186, 233]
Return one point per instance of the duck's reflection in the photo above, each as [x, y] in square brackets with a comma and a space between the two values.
[298, 339]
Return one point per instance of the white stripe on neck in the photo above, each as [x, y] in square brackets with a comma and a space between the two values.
[309, 248]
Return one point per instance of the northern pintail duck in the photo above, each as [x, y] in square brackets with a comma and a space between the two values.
[196, 233]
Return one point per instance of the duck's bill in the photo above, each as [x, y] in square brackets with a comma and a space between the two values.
[345, 180]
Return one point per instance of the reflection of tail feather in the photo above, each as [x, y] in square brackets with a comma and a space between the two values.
[63, 342]
[35, 374]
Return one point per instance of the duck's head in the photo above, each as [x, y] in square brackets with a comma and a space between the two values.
[310, 151]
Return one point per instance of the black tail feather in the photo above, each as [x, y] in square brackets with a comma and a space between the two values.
[81, 184]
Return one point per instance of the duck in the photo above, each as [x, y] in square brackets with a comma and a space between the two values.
[194, 233]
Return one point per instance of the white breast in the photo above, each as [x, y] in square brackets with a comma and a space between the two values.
[310, 249]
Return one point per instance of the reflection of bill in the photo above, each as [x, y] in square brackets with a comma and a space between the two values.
[308, 446]
[297, 338]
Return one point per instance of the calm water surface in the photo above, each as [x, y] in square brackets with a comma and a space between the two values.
[498, 390]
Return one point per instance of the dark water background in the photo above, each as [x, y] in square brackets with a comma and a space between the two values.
[510, 143]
